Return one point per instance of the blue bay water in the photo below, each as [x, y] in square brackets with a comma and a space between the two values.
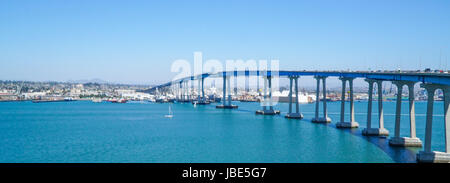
[83, 131]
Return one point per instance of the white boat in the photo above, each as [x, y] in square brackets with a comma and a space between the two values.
[170, 115]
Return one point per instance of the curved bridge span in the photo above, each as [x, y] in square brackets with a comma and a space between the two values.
[429, 81]
[435, 78]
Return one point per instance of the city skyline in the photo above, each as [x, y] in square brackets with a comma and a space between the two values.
[137, 42]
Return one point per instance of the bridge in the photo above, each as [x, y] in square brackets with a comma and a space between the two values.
[429, 81]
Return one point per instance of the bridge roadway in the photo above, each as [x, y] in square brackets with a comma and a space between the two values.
[429, 81]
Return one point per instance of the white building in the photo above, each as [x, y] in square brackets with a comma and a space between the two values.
[33, 95]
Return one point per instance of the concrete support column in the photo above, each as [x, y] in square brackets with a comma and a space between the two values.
[429, 122]
[235, 84]
[172, 88]
[192, 90]
[297, 107]
[257, 84]
[247, 83]
[181, 91]
[380, 104]
[351, 123]
[265, 94]
[187, 90]
[428, 155]
[224, 88]
[270, 94]
[325, 118]
[183, 94]
[175, 91]
[203, 89]
[317, 97]
[297, 114]
[290, 94]
[398, 108]
[198, 91]
[381, 131]
[229, 90]
[369, 106]
[267, 81]
[397, 140]
[412, 113]
[325, 114]
[344, 81]
[447, 118]
[184, 91]
[352, 106]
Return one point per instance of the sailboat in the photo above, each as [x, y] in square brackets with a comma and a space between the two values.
[170, 115]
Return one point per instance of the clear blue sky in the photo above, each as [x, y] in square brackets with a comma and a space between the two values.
[136, 41]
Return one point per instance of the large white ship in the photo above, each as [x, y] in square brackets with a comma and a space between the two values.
[284, 97]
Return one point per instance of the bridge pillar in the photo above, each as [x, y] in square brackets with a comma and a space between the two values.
[381, 131]
[186, 86]
[175, 91]
[202, 100]
[257, 83]
[297, 114]
[352, 123]
[267, 80]
[412, 113]
[247, 78]
[265, 93]
[369, 106]
[224, 90]
[297, 107]
[317, 97]
[290, 94]
[235, 84]
[412, 141]
[270, 94]
[229, 90]
[427, 155]
[203, 89]
[191, 91]
[181, 92]
[199, 91]
[325, 118]
[226, 86]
